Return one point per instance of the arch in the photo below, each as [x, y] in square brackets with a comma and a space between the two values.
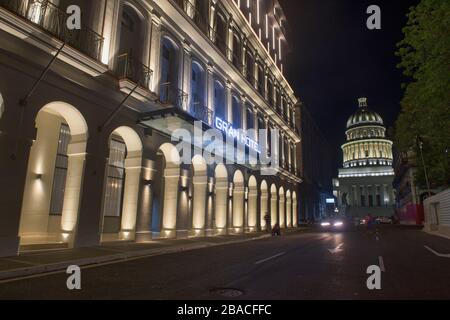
[252, 206]
[123, 176]
[294, 210]
[221, 197]
[282, 208]
[273, 205]
[288, 209]
[54, 175]
[170, 180]
[238, 201]
[170, 71]
[199, 197]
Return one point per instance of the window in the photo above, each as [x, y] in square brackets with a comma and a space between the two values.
[60, 175]
[115, 178]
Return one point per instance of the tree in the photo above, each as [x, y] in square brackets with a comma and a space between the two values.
[425, 113]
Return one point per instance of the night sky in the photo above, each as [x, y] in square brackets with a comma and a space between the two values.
[335, 59]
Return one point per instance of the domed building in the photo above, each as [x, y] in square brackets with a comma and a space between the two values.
[365, 182]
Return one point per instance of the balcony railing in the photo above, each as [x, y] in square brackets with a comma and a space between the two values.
[202, 113]
[132, 69]
[52, 19]
[171, 95]
[195, 15]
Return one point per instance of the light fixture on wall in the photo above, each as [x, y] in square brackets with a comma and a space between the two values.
[38, 176]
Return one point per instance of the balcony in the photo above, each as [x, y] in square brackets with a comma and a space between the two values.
[202, 113]
[132, 69]
[171, 95]
[53, 20]
[195, 15]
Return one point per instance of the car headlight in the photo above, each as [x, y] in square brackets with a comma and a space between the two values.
[338, 224]
[325, 224]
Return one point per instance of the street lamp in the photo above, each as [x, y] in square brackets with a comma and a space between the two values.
[420, 145]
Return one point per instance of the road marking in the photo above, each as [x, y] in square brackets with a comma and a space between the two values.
[442, 255]
[270, 258]
[337, 249]
[381, 263]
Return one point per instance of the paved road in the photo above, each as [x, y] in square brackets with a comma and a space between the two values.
[296, 266]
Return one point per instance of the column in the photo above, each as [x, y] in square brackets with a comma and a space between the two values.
[170, 202]
[230, 39]
[155, 51]
[252, 209]
[144, 215]
[221, 205]
[244, 110]
[186, 76]
[212, 19]
[133, 170]
[210, 88]
[72, 193]
[228, 102]
[13, 170]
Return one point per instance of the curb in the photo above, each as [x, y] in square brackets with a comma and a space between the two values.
[113, 258]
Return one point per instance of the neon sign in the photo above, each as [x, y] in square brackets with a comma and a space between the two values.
[238, 134]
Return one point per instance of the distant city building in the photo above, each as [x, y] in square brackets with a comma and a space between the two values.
[364, 185]
[316, 168]
[409, 196]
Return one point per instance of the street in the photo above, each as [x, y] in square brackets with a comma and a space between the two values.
[299, 265]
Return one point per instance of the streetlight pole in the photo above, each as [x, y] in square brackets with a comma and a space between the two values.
[420, 144]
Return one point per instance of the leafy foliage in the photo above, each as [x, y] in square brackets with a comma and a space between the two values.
[425, 60]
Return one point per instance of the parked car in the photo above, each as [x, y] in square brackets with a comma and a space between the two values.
[384, 220]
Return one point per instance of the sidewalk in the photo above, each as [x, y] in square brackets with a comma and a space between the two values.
[43, 261]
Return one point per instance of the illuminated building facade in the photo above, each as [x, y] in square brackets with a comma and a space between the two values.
[88, 115]
[364, 185]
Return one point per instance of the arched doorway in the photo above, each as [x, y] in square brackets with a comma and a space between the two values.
[123, 175]
[288, 209]
[238, 202]
[54, 176]
[282, 208]
[273, 205]
[199, 195]
[264, 210]
[252, 204]
[169, 189]
[221, 199]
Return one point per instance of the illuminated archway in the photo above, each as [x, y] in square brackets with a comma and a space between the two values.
[123, 175]
[54, 176]
[238, 202]
[171, 177]
[199, 197]
[221, 199]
